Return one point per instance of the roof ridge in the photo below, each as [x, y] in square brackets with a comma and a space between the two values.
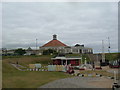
[54, 43]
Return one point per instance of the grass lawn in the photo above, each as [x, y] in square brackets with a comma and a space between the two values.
[112, 56]
[13, 78]
[21, 79]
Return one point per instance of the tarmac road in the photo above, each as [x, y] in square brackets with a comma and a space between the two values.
[80, 82]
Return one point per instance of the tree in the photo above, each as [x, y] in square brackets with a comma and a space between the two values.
[49, 51]
[20, 51]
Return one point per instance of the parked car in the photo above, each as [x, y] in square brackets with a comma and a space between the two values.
[114, 64]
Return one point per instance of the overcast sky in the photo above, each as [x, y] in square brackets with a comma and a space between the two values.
[84, 23]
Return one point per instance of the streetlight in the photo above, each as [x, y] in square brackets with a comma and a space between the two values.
[85, 61]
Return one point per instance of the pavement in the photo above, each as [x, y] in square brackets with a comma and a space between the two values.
[80, 82]
[17, 66]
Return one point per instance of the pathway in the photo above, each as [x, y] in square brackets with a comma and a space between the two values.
[17, 66]
[80, 82]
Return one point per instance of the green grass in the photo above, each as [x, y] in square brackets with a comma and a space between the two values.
[79, 55]
[108, 56]
[12, 78]
[21, 56]
[112, 56]
[85, 56]
[26, 60]
[29, 79]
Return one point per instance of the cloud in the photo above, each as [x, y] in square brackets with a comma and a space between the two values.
[85, 23]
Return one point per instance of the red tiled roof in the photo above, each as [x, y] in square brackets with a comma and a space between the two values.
[54, 43]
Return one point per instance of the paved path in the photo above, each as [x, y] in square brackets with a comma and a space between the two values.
[17, 67]
[80, 82]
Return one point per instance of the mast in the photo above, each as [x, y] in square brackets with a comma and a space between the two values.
[36, 46]
[103, 54]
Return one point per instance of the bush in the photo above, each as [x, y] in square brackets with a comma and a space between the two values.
[49, 52]
[20, 51]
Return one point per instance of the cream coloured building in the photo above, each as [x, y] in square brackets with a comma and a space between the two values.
[63, 48]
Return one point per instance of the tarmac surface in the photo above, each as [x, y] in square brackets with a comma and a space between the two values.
[80, 82]
[17, 66]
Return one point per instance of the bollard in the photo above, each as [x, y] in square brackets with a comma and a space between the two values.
[109, 77]
[97, 75]
[36, 69]
[112, 77]
[80, 75]
[90, 75]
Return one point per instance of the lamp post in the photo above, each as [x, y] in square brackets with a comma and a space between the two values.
[103, 54]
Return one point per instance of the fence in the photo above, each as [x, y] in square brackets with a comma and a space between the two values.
[33, 66]
[56, 68]
[38, 67]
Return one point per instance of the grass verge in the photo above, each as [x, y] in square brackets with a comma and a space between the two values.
[12, 78]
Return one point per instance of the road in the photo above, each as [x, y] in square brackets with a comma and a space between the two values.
[80, 82]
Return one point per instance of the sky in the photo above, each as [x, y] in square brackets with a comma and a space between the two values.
[85, 23]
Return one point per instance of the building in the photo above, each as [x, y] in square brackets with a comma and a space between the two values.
[74, 61]
[78, 49]
[29, 51]
[7, 52]
[54, 44]
[63, 48]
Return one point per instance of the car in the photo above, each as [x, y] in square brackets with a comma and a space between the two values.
[114, 64]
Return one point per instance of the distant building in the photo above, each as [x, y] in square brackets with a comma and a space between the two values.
[6, 52]
[11, 52]
[29, 51]
[63, 48]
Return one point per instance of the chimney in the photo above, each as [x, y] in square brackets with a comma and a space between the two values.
[54, 37]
